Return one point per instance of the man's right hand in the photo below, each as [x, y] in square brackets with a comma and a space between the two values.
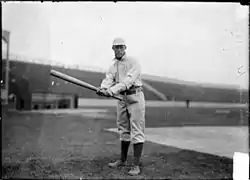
[101, 91]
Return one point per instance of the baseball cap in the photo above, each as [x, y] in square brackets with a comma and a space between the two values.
[119, 41]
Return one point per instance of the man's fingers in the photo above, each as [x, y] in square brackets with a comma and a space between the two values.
[104, 92]
[100, 92]
[109, 92]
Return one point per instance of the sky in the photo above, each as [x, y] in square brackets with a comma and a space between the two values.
[200, 42]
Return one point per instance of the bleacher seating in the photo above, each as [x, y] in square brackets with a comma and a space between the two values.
[181, 92]
[40, 81]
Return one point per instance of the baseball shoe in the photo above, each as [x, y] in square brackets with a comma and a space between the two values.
[134, 171]
[117, 164]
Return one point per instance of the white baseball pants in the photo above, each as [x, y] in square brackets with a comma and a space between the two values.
[131, 119]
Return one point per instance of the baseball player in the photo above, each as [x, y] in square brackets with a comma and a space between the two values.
[124, 78]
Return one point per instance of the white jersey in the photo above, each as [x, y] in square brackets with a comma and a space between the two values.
[122, 75]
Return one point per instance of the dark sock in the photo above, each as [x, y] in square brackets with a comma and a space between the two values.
[137, 153]
[124, 150]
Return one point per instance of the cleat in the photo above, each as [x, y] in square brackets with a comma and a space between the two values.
[116, 164]
[134, 171]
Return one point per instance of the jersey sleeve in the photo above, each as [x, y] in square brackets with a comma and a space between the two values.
[109, 79]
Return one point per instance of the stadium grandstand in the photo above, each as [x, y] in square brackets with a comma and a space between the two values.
[32, 87]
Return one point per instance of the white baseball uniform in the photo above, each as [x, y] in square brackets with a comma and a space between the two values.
[123, 75]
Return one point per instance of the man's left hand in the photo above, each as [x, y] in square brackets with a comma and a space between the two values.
[100, 91]
[108, 93]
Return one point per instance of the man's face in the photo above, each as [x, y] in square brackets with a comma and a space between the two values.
[119, 51]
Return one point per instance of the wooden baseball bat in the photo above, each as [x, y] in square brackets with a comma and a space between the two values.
[76, 81]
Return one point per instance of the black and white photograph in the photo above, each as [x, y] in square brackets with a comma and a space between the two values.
[125, 90]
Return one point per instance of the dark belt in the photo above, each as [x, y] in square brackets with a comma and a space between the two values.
[133, 90]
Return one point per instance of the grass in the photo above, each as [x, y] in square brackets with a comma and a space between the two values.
[181, 116]
[157, 117]
[72, 146]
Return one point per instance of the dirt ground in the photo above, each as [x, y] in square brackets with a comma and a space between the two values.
[37, 145]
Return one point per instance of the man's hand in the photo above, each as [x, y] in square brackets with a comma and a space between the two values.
[100, 91]
[104, 92]
[108, 93]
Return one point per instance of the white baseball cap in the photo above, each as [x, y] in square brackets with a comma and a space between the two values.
[119, 41]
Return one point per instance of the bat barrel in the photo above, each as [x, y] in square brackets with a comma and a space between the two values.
[72, 80]
[76, 81]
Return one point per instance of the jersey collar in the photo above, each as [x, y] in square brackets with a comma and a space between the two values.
[123, 58]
